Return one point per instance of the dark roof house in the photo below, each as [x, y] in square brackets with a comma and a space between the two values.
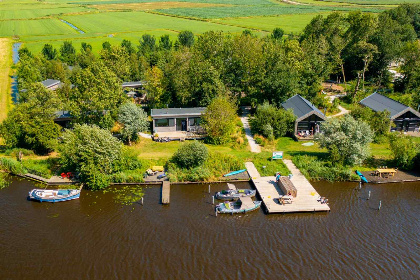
[404, 117]
[307, 115]
[51, 84]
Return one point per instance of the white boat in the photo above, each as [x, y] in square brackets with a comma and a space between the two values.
[54, 195]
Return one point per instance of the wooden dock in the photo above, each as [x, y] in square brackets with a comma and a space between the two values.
[307, 196]
[166, 189]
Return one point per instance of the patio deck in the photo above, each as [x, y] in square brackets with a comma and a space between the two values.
[180, 135]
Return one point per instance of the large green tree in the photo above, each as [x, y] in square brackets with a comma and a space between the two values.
[30, 124]
[134, 120]
[219, 120]
[346, 139]
[91, 151]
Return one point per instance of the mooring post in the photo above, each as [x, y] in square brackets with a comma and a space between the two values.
[142, 201]
[209, 188]
[213, 200]
[368, 195]
[215, 212]
[380, 204]
[360, 185]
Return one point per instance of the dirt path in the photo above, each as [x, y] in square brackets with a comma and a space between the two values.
[255, 148]
[5, 64]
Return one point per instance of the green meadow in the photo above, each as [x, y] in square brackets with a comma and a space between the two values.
[36, 22]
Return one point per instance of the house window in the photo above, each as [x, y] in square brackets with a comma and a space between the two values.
[194, 121]
[163, 122]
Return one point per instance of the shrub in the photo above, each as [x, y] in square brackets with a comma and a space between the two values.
[316, 169]
[94, 178]
[272, 122]
[12, 166]
[404, 150]
[15, 152]
[191, 155]
[38, 167]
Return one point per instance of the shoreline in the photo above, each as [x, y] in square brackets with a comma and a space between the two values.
[45, 181]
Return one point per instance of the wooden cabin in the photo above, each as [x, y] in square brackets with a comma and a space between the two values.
[177, 119]
[308, 117]
[405, 118]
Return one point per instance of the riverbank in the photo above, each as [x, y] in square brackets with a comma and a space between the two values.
[5, 73]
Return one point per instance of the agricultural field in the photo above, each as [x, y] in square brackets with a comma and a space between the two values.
[37, 22]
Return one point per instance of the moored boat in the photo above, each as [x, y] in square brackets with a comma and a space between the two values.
[235, 194]
[242, 205]
[54, 195]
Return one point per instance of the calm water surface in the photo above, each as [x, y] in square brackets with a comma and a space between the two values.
[96, 238]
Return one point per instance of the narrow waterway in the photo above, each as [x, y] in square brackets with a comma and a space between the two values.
[14, 86]
[72, 26]
[96, 238]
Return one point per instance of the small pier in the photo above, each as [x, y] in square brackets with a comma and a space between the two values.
[305, 201]
[166, 189]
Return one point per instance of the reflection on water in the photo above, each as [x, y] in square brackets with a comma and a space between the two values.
[94, 237]
[14, 86]
[72, 26]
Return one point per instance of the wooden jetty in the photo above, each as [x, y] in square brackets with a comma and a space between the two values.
[305, 201]
[166, 189]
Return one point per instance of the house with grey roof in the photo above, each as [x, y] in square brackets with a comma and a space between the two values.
[136, 84]
[404, 117]
[52, 84]
[308, 117]
[177, 119]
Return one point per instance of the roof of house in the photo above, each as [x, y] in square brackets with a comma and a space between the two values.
[133, 84]
[50, 83]
[378, 103]
[170, 112]
[301, 107]
[63, 115]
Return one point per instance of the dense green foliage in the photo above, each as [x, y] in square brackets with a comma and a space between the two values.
[379, 122]
[317, 169]
[190, 155]
[404, 150]
[133, 119]
[11, 165]
[213, 168]
[30, 124]
[219, 120]
[346, 139]
[91, 151]
[271, 122]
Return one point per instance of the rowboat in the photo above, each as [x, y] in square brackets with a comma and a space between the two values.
[242, 205]
[234, 172]
[362, 177]
[235, 194]
[54, 195]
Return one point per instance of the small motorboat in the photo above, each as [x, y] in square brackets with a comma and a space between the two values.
[242, 205]
[54, 195]
[235, 194]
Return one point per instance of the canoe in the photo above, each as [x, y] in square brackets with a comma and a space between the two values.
[242, 205]
[234, 172]
[54, 195]
[235, 194]
[362, 177]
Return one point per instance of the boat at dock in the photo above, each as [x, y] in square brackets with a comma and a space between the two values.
[235, 194]
[54, 195]
[234, 172]
[362, 177]
[242, 205]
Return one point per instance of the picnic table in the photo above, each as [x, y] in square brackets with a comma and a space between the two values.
[385, 172]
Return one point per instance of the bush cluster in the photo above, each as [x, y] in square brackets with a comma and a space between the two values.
[190, 155]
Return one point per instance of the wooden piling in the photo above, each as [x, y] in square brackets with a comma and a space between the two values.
[380, 204]
[209, 188]
[368, 195]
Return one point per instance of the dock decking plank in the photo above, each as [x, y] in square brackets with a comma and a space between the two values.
[166, 188]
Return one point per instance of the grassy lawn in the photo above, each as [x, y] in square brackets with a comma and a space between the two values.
[5, 71]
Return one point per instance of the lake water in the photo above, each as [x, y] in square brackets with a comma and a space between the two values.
[96, 238]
